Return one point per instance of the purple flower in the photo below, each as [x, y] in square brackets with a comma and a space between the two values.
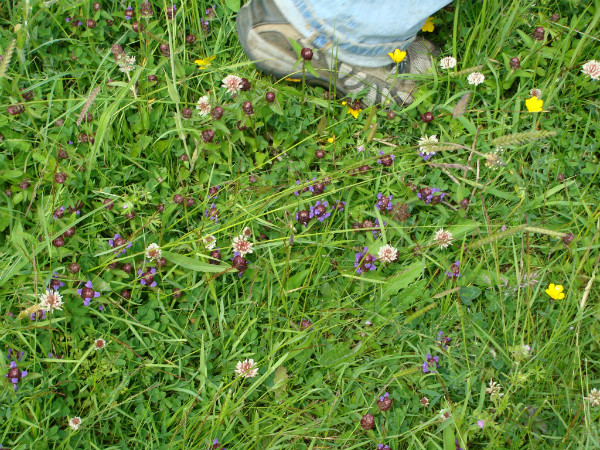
[458, 447]
[384, 396]
[383, 447]
[70, 142]
[319, 211]
[454, 271]
[147, 277]
[428, 195]
[360, 148]
[35, 316]
[216, 445]
[443, 341]
[87, 293]
[386, 160]
[62, 208]
[376, 232]
[364, 262]
[14, 374]
[384, 202]
[427, 156]
[430, 363]
[55, 282]
[119, 242]
[481, 424]
[212, 213]
[338, 205]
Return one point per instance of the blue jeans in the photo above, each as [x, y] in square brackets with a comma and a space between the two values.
[363, 31]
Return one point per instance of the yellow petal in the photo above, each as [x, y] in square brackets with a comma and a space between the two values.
[534, 105]
[398, 55]
[559, 288]
[549, 292]
[561, 296]
[428, 26]
[354, 112]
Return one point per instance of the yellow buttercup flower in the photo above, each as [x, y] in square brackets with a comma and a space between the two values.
[428, 25]
[352, 111]
[555, 291]
[204, 63]
[331, 140]
[534, 105]
[397, 56]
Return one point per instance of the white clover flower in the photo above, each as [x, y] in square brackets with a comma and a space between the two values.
[246, 368]
[233, 83]
[387, 254]
[475, 78]
[127, 64]
[242, 245]
[443, 238]
[594, 397]
[426, 146]
[209, 242]
[51, 300]
[153, 252]
[448, 62]
[203, 105]
[591, 69]
[99, 344]
[75, 423]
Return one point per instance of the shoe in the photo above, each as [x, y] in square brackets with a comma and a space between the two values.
[265, 36]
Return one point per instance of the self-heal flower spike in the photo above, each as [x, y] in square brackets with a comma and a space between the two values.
[319, 211]
[15, 374]
[555, 291]
[397, 55]
[383, 202]
[430, 363]
[147, 278]
[119, 242]
[87, 293]
[364, 262]
[534, 105]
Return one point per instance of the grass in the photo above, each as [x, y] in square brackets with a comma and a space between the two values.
[166, 377]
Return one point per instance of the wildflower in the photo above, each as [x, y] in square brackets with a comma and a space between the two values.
[424, 401]
[51, 300]
[457, 445]
[59, 213]
[242, 245]
[387, 254]
[338, 205]
[216, 446]
[360, 148]
[448, 62]
[426, 147]
[443, 238]
[443, 341]
[538, 34]
[212, 213]
[352, 110]
[592, 69]
[147, 277]
[15, 374]
[386, 160]
[119, 242]
[232, 83]
[153, 251]
[363, 261]
[384, 202]
[87, 293]
[209, 242]
[99, 344]
[319, 211]
[397, 55]
[367, 422]
[535, 93]
[383, 447]
[126, 64]
[427, 117]
[203, 105]
[445, 414]
[555, 291]
[146, 10]
[303, 217]
[454, 271]
[494, 390]
[246, 369]
[375, 231]
[55, 283]
[385, 402]
[481, 423]
[428, 25]
[594, 397]
[534, 105]
[240, 263]
[430, 363]
[475, 78]
[38, 315]
[75, 423]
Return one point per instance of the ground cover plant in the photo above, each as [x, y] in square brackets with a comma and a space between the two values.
[196, 255]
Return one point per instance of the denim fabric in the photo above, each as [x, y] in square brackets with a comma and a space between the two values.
[363, 31]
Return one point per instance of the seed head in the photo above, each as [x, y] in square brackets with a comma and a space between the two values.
[191, 39]
[306, 54]
[60, 177]
[217, 113]
[367, 422]
[208, 135]
[539, 33]
[427, 117]
[59, 241]
[515, 63]
[247, 108]
[270, 97]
